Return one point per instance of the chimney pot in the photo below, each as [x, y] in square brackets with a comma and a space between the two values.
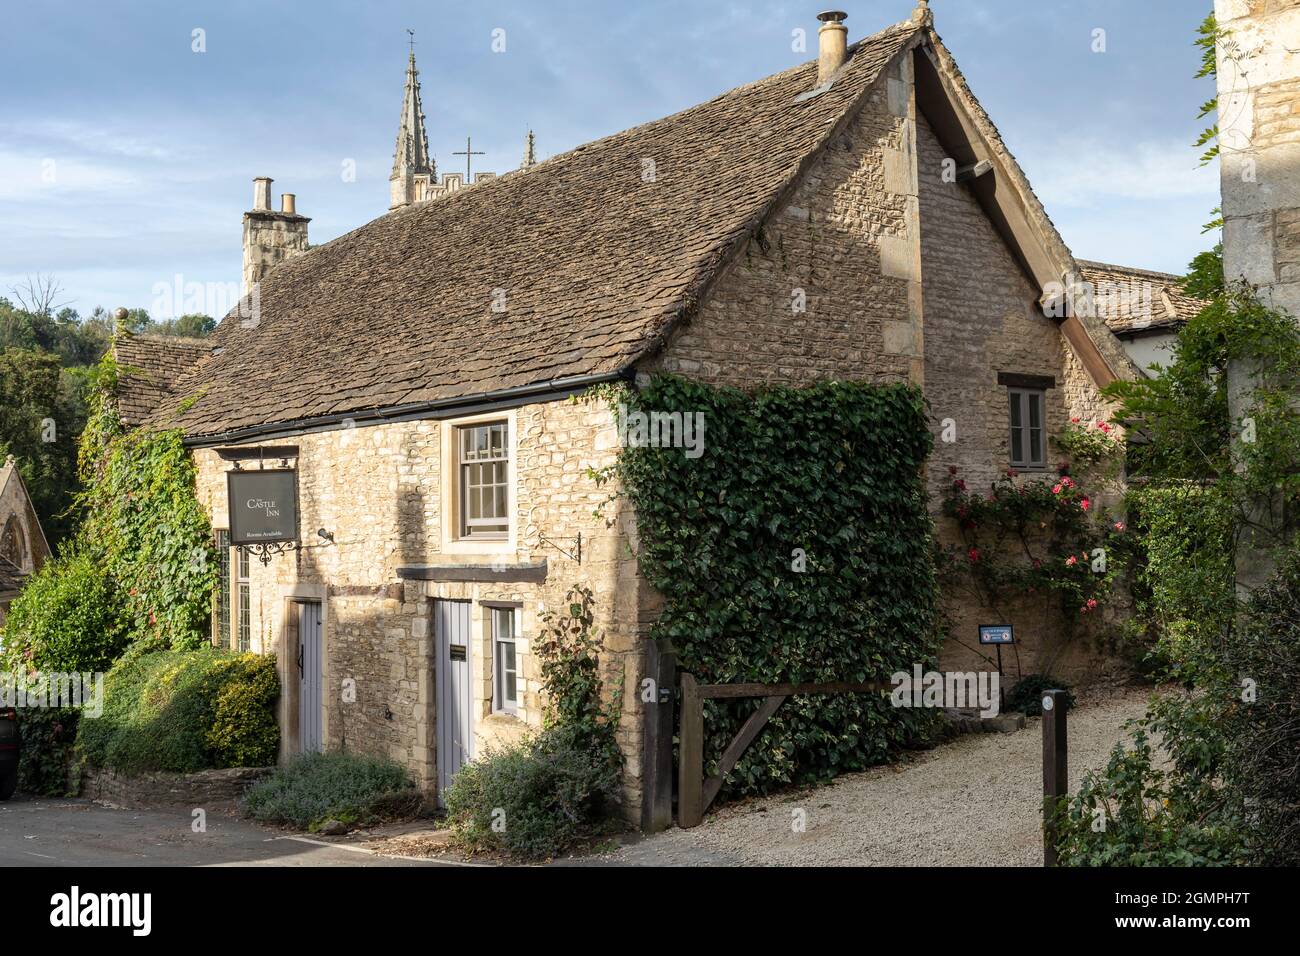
[262, 194]
[833, 44]
[288, 204]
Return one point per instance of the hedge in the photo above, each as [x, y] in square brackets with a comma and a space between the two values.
[67, 619]
[184, 711]
[797, 547]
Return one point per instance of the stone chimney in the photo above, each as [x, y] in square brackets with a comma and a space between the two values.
[270, 237]
[262, 194]
[832, 44]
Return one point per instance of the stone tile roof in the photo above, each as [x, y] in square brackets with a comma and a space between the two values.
[150, 366]
[1135, 300]
[593, 254]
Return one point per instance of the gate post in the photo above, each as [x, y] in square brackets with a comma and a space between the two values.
[690, 756]
[1056, 776]
[657, 768]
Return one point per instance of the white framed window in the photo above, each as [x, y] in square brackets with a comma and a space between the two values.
[483, 454]
[1028, 408]
[507, 683]
[243, 630]
[221, 619]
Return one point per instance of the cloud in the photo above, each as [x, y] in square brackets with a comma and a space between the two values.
[1087, 172]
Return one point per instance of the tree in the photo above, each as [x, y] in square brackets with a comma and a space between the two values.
[41, 414]
[40, 295]
[193, 325]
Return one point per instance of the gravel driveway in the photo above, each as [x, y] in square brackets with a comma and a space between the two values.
[973, 802]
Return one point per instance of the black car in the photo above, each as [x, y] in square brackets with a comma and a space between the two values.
[11, 742]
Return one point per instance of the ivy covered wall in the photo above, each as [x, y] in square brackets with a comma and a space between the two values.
[793, 544]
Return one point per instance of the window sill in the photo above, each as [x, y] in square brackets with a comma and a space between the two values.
[479, 546]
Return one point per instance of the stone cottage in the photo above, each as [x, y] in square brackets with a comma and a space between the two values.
[856, 217]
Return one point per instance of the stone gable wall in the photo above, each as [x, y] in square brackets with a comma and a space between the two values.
[982, 318]
[844, 241]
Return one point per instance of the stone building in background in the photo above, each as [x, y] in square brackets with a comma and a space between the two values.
[858, 217]
[415, 171]
[1259, 140]
[23, 548]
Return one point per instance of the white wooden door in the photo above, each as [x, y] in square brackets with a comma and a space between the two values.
[311, 677]
[454, 672]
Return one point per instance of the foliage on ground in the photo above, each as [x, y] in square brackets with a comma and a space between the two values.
[353, 789]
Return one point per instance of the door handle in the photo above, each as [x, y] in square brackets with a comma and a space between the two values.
[300, 672]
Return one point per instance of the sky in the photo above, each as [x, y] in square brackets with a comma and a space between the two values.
[130, 132]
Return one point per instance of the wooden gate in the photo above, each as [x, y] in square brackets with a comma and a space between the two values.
[694, 792]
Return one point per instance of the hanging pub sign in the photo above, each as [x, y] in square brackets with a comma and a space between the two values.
[996, 634]
[263, 506]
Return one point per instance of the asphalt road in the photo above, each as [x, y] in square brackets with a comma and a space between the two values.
[41, 832]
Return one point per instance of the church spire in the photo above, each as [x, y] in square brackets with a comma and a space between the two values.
[530, 152]
[413, 169]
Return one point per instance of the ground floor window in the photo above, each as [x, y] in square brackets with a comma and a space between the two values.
[244, 628]
[221, 618]
[505, 660]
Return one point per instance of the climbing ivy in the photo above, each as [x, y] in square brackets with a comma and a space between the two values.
[143, 536]
[794, 546]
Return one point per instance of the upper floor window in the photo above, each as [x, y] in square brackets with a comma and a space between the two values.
[1028, 435]
[484, 472]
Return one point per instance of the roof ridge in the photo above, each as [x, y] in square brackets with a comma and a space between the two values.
[771, 79]
[165, 339]
[1095, 264]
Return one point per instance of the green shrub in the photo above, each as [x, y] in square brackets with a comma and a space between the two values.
[534, 799]
[1263, 715]
[68, 618]
[244, 732]
[49, 738]
[796, 548]
[1185, 587]
[339, 786]
[1136, 813]
[1027, 695]
[171, 711]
